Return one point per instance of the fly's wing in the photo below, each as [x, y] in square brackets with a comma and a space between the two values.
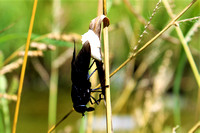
[80, 64]
[101, 74]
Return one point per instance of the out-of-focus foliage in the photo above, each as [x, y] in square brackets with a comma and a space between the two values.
[157, 90]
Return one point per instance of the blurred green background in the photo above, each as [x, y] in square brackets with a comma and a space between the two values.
[159, 88]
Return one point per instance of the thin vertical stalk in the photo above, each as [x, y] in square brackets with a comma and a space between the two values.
[1, 122]
[107, 79]
[82, 125]
[186, 49]
[176, 87]
[189, 56]
[54, 70]
[172, 22]
[4, 107]
[24, 67]
[6, 114]
[184, 44]
[108, 99]
[53, 94]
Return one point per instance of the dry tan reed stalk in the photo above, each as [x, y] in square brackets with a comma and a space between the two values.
[24, 68]
[107, 79]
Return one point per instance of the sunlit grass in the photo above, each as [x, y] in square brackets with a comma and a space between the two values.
[144, 80]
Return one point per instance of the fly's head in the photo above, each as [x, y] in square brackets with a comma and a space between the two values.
[82, 109]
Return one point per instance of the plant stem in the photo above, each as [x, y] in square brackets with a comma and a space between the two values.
[189, 56]
[54, 126]
[150, 27]
[4, 106]
[53, 94]
[176, 87]
[153, 39]
[184, 43]
[24, 68]
[186, 49]
[195, 127]
[54, 70]
[107, 79]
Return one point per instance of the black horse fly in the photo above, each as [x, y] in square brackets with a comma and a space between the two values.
[80, 65]
[81, 86]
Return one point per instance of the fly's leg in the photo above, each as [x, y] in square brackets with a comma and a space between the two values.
[91, 65]
[95, 90]
[91, 74]
[100, 98]
[96, 101]
[91, 101]
[100, 95]
[90, 68]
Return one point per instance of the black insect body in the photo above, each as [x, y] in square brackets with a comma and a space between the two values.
[81, 86]
[80, 65]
